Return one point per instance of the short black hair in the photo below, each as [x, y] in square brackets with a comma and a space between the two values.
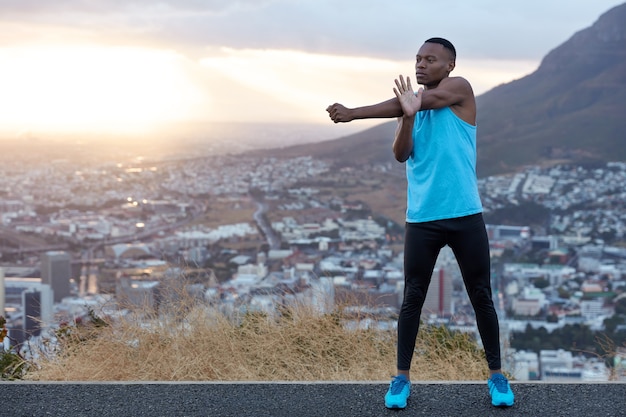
[446, 44]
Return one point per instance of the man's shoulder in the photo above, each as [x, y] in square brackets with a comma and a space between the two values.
[459, 86]
[465, 107]
[456, 81]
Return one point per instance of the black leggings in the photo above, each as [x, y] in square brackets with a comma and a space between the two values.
[467, 237]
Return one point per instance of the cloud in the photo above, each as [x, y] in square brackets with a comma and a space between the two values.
[255, 60]
[491, 29]
[308, 85]
[18, 7]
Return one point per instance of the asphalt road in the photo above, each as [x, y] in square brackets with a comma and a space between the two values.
[303, 399]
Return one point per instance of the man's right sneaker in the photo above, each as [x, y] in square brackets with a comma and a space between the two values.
[398, 392]
[500, 390]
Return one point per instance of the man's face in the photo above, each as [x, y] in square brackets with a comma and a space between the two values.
[433, 63]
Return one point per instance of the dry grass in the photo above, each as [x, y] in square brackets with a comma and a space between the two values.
[199, 344]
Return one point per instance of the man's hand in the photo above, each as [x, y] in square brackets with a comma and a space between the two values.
[411, 103]
[339, 113]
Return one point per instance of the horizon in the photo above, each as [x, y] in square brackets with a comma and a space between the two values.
[180, 141]
[201, 131]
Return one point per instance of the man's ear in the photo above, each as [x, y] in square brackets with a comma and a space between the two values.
[451, 66]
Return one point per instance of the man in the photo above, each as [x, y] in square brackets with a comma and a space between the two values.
[436, 137]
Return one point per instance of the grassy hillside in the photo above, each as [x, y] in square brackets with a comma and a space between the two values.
[197, 343]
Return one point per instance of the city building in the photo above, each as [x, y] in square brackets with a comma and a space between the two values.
[439, 297]
[525, 366]
[2, 292]
[56, 271]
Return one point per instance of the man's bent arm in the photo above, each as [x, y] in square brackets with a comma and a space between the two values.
[410, 104]
[403, 141]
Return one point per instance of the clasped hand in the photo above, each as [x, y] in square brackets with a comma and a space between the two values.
[339, 113]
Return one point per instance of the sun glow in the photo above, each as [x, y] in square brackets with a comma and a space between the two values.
[306, 83]
[115, 89]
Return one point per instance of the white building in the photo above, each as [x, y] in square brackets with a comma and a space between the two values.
[557, 365]
[525, 366]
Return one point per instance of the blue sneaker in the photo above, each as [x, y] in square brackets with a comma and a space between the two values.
[500, 390]
[398, 392]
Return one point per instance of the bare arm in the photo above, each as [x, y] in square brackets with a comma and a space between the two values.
[453, 92]
[403, 141]
[383, 110]
[410, 103]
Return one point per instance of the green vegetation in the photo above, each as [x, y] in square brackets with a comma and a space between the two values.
[12, 365]
[575, 337]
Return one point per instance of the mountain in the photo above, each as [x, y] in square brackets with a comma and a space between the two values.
[571, 109]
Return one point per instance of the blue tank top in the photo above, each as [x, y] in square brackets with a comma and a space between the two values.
[441, 171]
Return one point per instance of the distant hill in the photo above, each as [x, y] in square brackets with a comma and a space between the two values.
[572, 108]
[371, 146]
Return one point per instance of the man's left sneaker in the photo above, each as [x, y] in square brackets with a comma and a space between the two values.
[398, 393]
[500, 390]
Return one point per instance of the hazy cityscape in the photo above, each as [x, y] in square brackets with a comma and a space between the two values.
[247, 233]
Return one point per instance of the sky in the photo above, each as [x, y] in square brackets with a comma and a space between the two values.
[129, 66]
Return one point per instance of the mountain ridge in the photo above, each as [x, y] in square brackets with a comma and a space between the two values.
[570, 110]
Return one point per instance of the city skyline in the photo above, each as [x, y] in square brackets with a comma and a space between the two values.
[571, 276]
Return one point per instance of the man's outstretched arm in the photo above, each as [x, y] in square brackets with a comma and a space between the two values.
[383, 110]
